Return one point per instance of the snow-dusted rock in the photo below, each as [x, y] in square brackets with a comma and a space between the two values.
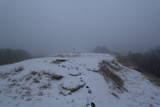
[71, 85]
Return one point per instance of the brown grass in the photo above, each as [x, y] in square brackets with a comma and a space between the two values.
[108, 74]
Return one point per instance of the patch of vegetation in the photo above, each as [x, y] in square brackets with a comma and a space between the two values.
[12, 72]
[146, 62]
[46, 86]
[28, 77]
[58, 61]
[20, 88]
[36, 80]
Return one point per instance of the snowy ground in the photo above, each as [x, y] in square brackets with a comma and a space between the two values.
[73, 81]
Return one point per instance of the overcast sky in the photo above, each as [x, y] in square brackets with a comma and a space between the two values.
[48, 26]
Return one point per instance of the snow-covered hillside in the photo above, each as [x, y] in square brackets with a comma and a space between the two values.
[74, 81]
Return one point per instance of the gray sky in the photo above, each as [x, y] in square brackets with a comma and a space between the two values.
[48, 26]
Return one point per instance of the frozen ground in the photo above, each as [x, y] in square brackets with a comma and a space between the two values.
[73, 81]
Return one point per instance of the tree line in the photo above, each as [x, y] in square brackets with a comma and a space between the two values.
[8, 56]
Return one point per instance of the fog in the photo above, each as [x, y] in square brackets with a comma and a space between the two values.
[53, 26]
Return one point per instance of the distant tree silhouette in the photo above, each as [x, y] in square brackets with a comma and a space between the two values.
[101, 49]
[8, 56]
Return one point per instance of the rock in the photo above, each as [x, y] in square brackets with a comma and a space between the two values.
[71, 85]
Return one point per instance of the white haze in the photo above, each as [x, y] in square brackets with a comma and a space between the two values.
[49, 26]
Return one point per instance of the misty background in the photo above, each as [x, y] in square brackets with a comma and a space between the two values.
[53, 26]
